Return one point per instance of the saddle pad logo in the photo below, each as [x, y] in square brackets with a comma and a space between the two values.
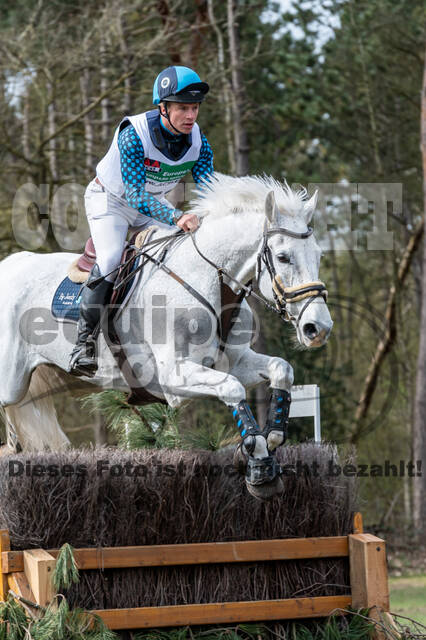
[152, 165]
[66, 301]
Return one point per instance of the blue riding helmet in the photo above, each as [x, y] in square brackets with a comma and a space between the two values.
[179, 84]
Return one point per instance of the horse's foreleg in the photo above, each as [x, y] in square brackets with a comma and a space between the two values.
[251, 368]
[190, 379]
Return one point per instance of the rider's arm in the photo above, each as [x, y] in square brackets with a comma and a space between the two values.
[203, 168]
[132, 158]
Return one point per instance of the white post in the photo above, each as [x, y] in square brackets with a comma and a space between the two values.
[317, 418]
[305, 402]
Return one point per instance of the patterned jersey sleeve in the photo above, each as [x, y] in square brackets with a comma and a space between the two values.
[132, 158]
[203, 168]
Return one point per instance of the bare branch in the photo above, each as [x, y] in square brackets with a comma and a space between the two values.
[386, 342]
[87, 109]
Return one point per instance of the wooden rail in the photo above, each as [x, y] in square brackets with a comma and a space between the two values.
[28, 574]
[222, 612]
[198, 553]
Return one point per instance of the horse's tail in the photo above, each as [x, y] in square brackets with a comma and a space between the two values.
[32, 424]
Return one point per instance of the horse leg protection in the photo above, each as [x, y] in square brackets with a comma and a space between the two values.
[260, 466]
[276, 427]
[253, 442]
[93, 300]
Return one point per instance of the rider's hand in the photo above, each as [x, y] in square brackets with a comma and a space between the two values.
[188, 222]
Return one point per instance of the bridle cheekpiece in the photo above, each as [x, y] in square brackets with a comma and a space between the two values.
[283, 295]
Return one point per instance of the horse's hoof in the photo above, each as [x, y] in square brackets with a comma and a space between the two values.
[267, 490]
[262, 470]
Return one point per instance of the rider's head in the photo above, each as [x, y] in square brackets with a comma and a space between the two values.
[178, 91]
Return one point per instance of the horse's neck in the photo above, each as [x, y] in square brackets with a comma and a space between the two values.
[231, 242]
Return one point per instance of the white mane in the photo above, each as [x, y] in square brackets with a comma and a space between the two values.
[224, 194]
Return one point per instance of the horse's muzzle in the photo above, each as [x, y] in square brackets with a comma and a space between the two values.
[315, 334]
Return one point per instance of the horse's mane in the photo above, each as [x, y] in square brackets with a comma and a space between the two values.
[224, 194]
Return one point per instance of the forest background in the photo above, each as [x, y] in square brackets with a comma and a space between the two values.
[319, 93]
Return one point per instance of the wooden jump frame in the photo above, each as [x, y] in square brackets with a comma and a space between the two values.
[28, 575]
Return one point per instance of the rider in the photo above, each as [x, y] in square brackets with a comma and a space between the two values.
[149, 154]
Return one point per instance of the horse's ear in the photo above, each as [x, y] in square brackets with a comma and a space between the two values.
[270, 207]
[310, 206]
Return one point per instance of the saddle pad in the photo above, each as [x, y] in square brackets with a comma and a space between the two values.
[66, 300]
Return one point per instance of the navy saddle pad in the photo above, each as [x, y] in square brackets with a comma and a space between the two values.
[66, 299]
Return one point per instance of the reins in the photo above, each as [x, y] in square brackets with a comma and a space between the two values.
[169, 239]
[282, 295]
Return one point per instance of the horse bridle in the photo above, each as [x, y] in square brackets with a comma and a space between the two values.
[287, 295]
[282, 295]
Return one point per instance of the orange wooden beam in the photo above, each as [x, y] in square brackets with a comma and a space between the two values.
[4, 546]
[224, 612]
[198, 553]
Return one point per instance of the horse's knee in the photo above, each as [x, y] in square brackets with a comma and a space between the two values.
[231, 392]
[281, 374]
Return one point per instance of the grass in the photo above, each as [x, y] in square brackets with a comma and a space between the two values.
[408, 597]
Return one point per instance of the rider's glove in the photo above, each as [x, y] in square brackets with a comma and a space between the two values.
[176, 215]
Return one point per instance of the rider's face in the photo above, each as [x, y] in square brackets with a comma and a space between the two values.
[182, 115]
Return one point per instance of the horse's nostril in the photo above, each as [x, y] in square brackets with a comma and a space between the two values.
[310, 330]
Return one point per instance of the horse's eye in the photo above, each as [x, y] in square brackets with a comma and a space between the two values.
[283, 257]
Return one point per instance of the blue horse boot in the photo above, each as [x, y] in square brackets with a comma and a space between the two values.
[252, 457]
[276, 427]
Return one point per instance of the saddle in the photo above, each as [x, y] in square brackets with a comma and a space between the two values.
[80, 268]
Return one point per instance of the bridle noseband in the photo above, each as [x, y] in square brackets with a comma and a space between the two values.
[287, 295]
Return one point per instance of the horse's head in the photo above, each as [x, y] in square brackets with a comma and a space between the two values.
[288, 266]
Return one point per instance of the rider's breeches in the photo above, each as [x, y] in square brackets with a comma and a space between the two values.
[109, 219]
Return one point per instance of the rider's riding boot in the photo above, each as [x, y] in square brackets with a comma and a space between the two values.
[83, 356]
[252, 453]
[276, 427]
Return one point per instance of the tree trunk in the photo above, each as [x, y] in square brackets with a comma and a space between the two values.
[237, 94]
[226, 92]
[71, 170]
[419, 427]
[125, 58]
[169, 20]
[197, 39]
[388, 339]
[26, 130]
[105, 105]
[87, 119]
[51, 118]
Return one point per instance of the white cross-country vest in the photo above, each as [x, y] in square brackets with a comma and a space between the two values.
[162, 174]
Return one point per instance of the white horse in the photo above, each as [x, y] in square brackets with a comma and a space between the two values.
[171, 339]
